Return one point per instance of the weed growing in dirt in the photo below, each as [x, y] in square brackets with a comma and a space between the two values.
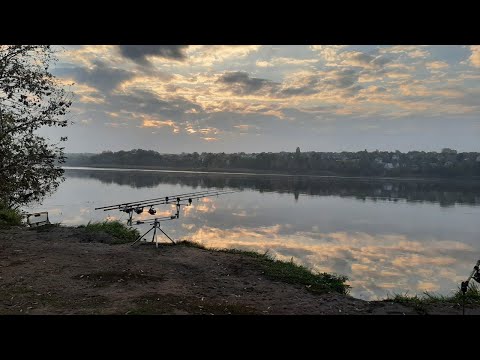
[9, 217]
[121, 232]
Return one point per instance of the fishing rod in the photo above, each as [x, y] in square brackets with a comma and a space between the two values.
[171, 217]
[133, 203]
[178, 200]
[165, 198]
[140, 222]
[464, 286]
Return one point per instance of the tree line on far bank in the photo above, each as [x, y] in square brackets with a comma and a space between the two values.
[446, 163]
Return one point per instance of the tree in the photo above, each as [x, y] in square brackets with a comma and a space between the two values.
[30, 98]
[448, 151]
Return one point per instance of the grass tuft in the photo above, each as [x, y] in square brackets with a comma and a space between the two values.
[191, 244]
[121, 232]
[472, 297]
[9, 217]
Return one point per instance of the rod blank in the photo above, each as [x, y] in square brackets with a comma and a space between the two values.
[172, 199]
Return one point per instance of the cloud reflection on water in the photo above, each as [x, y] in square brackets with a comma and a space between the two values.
[374, 263]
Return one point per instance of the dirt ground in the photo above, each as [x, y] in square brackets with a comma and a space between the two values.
[70, 271]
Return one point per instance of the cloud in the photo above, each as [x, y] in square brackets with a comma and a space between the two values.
[241, 83]
[88, 94]
[375, 89]
[201, 130]
[357, 58]
[208, 55]
[140, 53]
[148, 103]
[244, 127]
[475, 57]
[436, 65]
[157, 123]
[99, 75]
[269, 91]
[328, 53]
[336, 56]
[284, 61]
[343, 81]
[412, 51]
[263, 63]
[333, 83]
[115, 124]
[85, 55]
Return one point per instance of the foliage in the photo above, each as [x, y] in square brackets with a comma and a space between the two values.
[362, 163]
[9, 217]
[30, 98]
[115, 228]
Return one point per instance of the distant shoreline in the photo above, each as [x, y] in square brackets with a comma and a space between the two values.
[261, 173]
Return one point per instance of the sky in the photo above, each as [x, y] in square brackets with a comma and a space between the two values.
[255, 98]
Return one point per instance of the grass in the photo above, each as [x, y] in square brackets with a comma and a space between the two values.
[9, 217]
[121, 232]
[420, 303]
[289, 272]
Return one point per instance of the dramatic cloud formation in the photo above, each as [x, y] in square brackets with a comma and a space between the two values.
[322, 97]
[99, 76]
[139, 53]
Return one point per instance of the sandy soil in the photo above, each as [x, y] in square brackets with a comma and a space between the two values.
[70, 271]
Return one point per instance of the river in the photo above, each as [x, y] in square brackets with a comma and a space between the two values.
[387, 236]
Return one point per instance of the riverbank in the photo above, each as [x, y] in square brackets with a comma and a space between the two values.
[66, 270]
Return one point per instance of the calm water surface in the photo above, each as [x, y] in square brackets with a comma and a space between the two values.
[387, 236]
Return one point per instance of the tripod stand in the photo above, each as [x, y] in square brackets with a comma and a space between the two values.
[155, 226]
